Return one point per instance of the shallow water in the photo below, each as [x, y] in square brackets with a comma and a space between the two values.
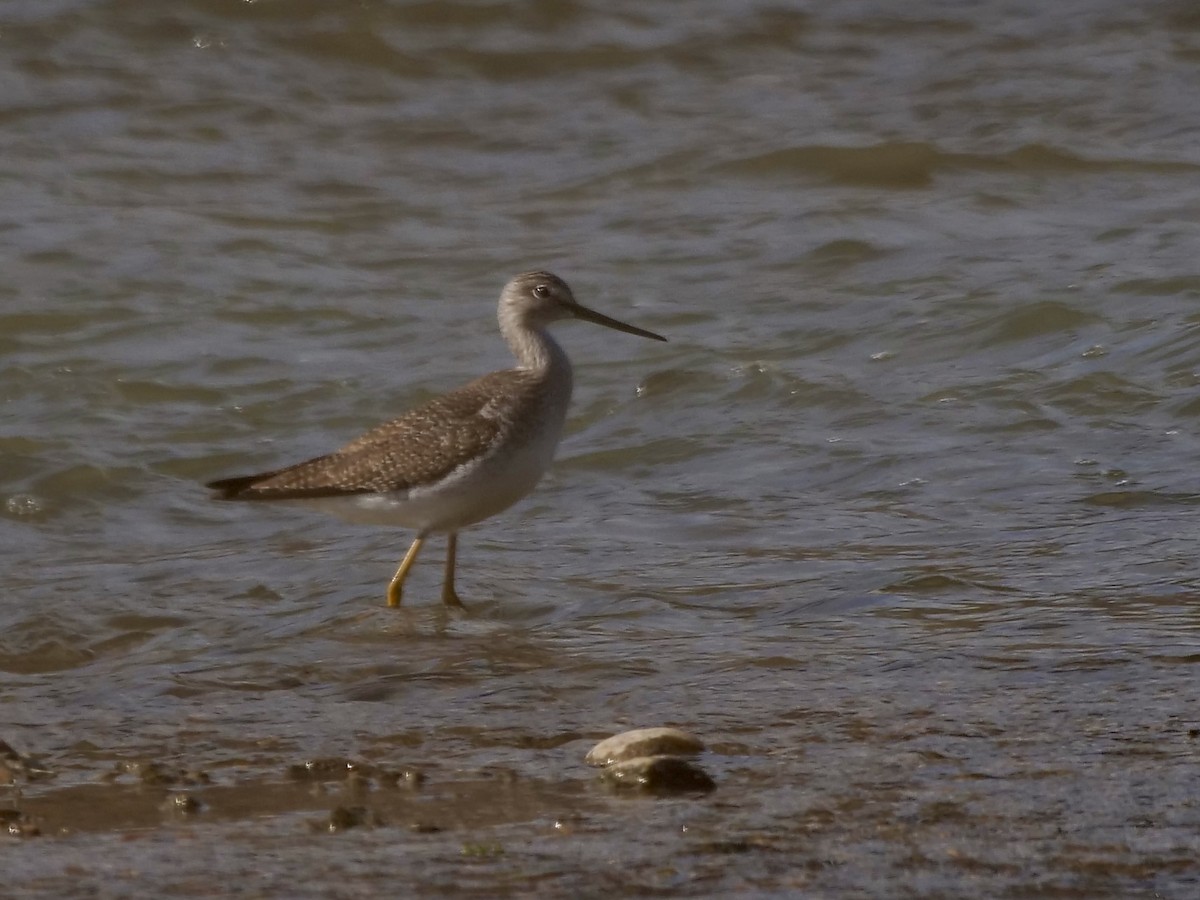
[899, 522]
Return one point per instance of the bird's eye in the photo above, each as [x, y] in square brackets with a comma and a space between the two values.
[542, 291]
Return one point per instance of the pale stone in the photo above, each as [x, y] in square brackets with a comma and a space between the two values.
[644, 742]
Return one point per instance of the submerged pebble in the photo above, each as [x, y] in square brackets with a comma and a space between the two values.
[425, 828]
[343, 818]
[652, 760]
[181, 804]
[658, 775]
[644, 742]
[332, 768]
[405, 779]
[16, 824]
[155, 774]
[14, 764]
[356, 774]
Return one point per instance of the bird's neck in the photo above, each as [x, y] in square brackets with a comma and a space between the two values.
[535, 349]
[537, 352]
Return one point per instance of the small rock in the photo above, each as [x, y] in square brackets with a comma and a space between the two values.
[155, 774]
[406, 779]
[345, 817]
[17, 824]
[182, 804]
[642, 742]
[19, 764]
[150, 773]
[330, 768]
[658, 775]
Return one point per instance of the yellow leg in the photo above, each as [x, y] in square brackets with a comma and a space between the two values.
[449, 597]
[397, 585]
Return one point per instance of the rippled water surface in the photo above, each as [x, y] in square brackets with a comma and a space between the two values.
[901, 522]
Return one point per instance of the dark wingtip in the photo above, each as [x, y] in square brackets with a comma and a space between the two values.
[231, 488]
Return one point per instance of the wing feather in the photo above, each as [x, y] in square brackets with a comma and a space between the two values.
[421, 447]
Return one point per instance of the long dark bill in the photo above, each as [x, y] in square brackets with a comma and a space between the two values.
[590, 315]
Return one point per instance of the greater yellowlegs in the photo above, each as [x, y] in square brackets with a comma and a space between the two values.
[460, 458]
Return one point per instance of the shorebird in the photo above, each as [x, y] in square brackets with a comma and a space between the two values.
[463, 456]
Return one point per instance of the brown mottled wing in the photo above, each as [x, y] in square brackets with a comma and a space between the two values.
[420, 447]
